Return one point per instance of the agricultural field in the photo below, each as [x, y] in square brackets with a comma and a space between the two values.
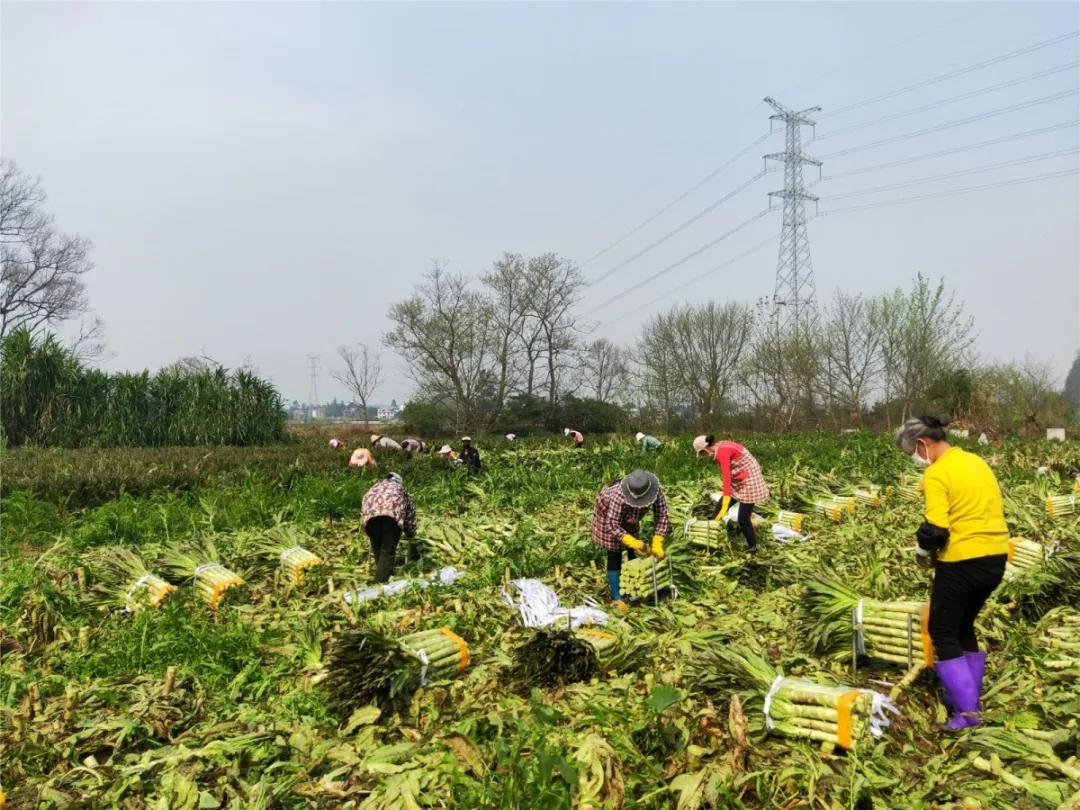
[123, 683]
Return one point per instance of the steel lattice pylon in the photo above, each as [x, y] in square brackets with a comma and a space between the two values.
[794, 295]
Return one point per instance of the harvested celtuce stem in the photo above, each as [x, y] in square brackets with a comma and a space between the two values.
[869, 497]
[638, 580]
[199, 564]
[124, 581]
[833, 511]
[283, 547]
[793, 520]
[555, 657]
[368, 667]
[1058, 505]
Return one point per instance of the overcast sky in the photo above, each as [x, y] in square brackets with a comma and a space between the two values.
[263, 180]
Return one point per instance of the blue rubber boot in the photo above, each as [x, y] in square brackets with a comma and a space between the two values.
[613, 583]
[962, 691]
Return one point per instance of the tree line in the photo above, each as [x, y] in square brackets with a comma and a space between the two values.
[510, 350]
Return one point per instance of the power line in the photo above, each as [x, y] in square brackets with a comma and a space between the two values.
[950, 193]
[945, 102]
[682, 261]
[678, 229]
[750, 147]
[959, 122]
[701, 277]
[953, 74]
[949, 175]
[942, 152]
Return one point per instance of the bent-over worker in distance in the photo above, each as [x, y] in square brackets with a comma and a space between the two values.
[575, 436]
[617, 523]
[361, 457]
[743, 480]
[413, 446]
[385, 442]
[387, 511]
[469, 454]
[648, 443]
[965, 539]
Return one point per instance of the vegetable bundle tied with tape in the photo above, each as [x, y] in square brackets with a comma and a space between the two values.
[555, 657]
[369, 667]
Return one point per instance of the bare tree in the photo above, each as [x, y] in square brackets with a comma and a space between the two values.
[443, 331]
[782, 369]
[41, 269]
[509, 290]
[606, 370]
[555, 286]
[662, 389]
[361, 373]
[852, 351]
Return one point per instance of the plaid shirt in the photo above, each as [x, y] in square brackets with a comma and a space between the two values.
[613, 517]
[390, 499]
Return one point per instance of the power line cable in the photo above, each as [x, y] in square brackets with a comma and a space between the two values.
[949, 175]
[945, 102]
[699, 184]
[942, 152]
[679, 228]
[772, 240]
[692, 255]
[949, 124]
[950, 193]
[951, 74]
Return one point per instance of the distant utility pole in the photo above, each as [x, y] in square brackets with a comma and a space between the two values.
[313, 376]
[795, 295]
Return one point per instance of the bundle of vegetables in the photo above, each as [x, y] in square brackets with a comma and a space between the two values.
[1059, 632]
[1024, 554]
[910, 489]
[199, 562]
[282, 546]
[555, 657]
[833, 511]
[795, 707]
[793, 520]
[845, 501]
[705, 533]
[645, 577]
[370, 667]
[1058, 505]
[454, 543]
[836, 619]
[869, 497]
[124, 581]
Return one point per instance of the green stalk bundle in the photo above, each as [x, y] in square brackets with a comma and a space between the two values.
[708, 533]
[638, 577]
[833, 511]
[282, 546]
[793, 520]
[1059, 505]
[124, 581]
[869, 497]
[199, 563]
[910, 489]
[551, 657]
[369, 667]
[1059, 634]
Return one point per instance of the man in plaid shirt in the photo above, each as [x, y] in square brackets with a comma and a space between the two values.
[617, 518]
[387, 511]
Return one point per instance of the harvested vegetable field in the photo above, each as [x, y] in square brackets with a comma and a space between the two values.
[182, 631]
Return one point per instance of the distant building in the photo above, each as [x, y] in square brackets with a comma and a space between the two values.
[388, 413]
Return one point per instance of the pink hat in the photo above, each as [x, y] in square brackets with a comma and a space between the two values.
[700, 443]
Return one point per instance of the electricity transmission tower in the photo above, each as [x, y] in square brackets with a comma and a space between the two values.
[794, 296]
[313, 376]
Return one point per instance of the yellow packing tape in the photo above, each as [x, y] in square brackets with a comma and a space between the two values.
[843, 717]
[463, 648]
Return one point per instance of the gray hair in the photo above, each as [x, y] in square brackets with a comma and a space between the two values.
[920, 427]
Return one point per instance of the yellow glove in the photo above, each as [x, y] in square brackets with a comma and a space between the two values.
[630, 541]
[658, 546]
[725, 504]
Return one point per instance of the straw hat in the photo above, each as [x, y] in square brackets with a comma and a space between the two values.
[639, 436]
[700, 443]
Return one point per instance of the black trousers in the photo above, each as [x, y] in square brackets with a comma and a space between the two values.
[614, 558]
[746, 524]
[959, 591]
[384, 533]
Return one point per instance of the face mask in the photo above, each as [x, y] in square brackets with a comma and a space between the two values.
[919, 460]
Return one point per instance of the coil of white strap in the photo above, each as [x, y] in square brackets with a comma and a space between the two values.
[879, 720]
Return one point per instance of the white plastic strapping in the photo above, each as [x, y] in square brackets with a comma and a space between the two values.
[539, 606]
[776, 684]
[134, 587]
[446, 576]
[289, 552]
[422, 657]
[785, 534]
[857, 620]
[879, 721]
[202, 569]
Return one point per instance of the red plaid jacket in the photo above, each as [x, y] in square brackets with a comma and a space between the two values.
[390, 499]
[613, 517]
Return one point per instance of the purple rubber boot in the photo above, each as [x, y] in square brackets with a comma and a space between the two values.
[977, 664]
[956, 678]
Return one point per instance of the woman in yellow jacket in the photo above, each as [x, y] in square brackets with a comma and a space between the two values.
[965, 538]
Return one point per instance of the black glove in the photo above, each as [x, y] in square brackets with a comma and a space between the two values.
[931, 537]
